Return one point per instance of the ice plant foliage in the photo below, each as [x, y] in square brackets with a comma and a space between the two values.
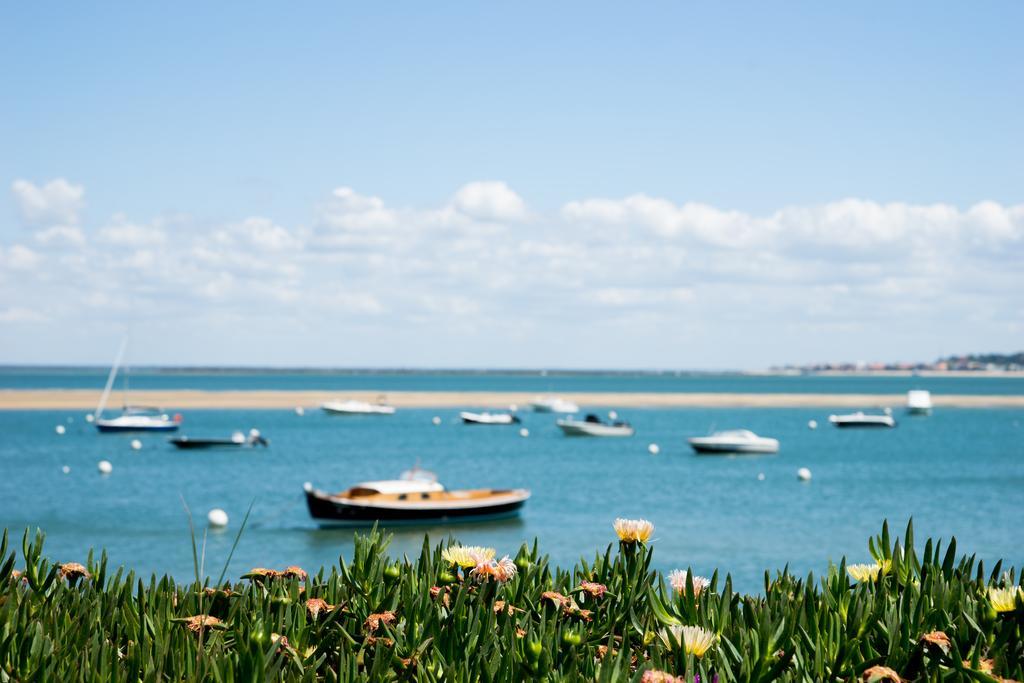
[458, 614]
[633, 530]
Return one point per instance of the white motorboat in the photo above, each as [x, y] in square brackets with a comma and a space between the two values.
[860, 419]
[734, 441]
[416, 497]
[357, 408]
[488, 418]
[919, 402]
[132, 418]
[592, 425]
[553, 404]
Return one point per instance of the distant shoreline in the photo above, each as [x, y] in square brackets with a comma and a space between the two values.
[188, 399]
[519, 372]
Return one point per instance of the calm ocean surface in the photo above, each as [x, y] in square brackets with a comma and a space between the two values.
[93, 378]
[957, 472]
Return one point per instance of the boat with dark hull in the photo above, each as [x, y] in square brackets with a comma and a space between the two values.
[417, 498]
[861, 420]
[237, 440]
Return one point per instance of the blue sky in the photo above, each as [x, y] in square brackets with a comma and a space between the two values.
[846, 180]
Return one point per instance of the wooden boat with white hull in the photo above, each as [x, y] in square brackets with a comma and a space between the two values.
[417, 498]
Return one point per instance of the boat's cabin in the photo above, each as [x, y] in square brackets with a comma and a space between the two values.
[745, 434]
[142, 410]
[409, 488]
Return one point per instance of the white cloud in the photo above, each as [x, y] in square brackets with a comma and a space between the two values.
[481, 268]
[61, 237]
[257, 233]
[18, 257]
[489, 201]
[124, 233]
[58, 201]
[20, 315]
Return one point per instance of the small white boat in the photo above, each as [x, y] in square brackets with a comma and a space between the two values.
[860, 419]
[132, 418]
[357, 408]
[415, 498]
[138, 419]
[488, 418]
[734, 441]
[553, 404]
[592, 425]
[919, 402]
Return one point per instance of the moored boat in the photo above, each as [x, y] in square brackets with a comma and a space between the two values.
[138, 419]
[919, 402]
[861, 419]
[592, 425]
[357, 408]
[553, 404]
[416, 498]
[488, 418]
[132, 418]
[734, 441]
[237, 440]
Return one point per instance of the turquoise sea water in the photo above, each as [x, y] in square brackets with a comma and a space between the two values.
[958, 472]
[535, 381]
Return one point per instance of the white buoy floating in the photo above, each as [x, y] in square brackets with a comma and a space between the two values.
[812, 424]
[104, 467]
[760, 476]
[887, 410]
[300, 411]
[136, 445]
[524, 432]
[60, 429]
[653, 449]
[803, 474]
[89, 418]
[612, 415]
[436, 420]
[513, 408]
[65, 469]
[217, 517]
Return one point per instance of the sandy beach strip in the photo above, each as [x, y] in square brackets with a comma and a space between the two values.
[87, 399]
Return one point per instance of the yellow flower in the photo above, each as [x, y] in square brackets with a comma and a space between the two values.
[1004, 599]
[677, 579]
[633, 530]
[868, 572]
[467, 556]
[694, 639]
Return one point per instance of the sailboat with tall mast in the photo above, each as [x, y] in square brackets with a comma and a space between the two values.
[132, 418]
